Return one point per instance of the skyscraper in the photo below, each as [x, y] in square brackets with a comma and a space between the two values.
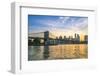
[77, 38]
[86, 38]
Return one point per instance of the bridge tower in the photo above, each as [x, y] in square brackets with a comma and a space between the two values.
[46, 38]
[46, 45]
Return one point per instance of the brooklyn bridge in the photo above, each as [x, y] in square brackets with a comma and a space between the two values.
[47, 38]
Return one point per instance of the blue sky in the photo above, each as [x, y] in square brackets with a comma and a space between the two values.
[58, 25]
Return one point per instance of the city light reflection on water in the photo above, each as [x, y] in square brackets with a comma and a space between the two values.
[67, 51]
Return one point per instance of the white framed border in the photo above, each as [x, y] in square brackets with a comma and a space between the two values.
[17, 56]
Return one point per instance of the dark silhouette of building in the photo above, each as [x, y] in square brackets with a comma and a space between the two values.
[60, 37]
[86, 38]
[65, 37]
[77, 38]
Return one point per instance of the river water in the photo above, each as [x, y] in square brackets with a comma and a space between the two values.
[66, 51]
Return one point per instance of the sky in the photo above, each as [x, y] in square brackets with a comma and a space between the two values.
[58, 25]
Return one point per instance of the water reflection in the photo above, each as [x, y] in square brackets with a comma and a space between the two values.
[35, 52]
[46, 52]
[71, 51]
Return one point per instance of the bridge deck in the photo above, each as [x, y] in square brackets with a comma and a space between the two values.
[40, 35]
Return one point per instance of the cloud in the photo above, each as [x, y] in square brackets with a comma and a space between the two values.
[82, 23]
[64, 19]
[62, 24]
[68, 24]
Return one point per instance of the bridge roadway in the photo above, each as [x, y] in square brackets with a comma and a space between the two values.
[42, 35]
